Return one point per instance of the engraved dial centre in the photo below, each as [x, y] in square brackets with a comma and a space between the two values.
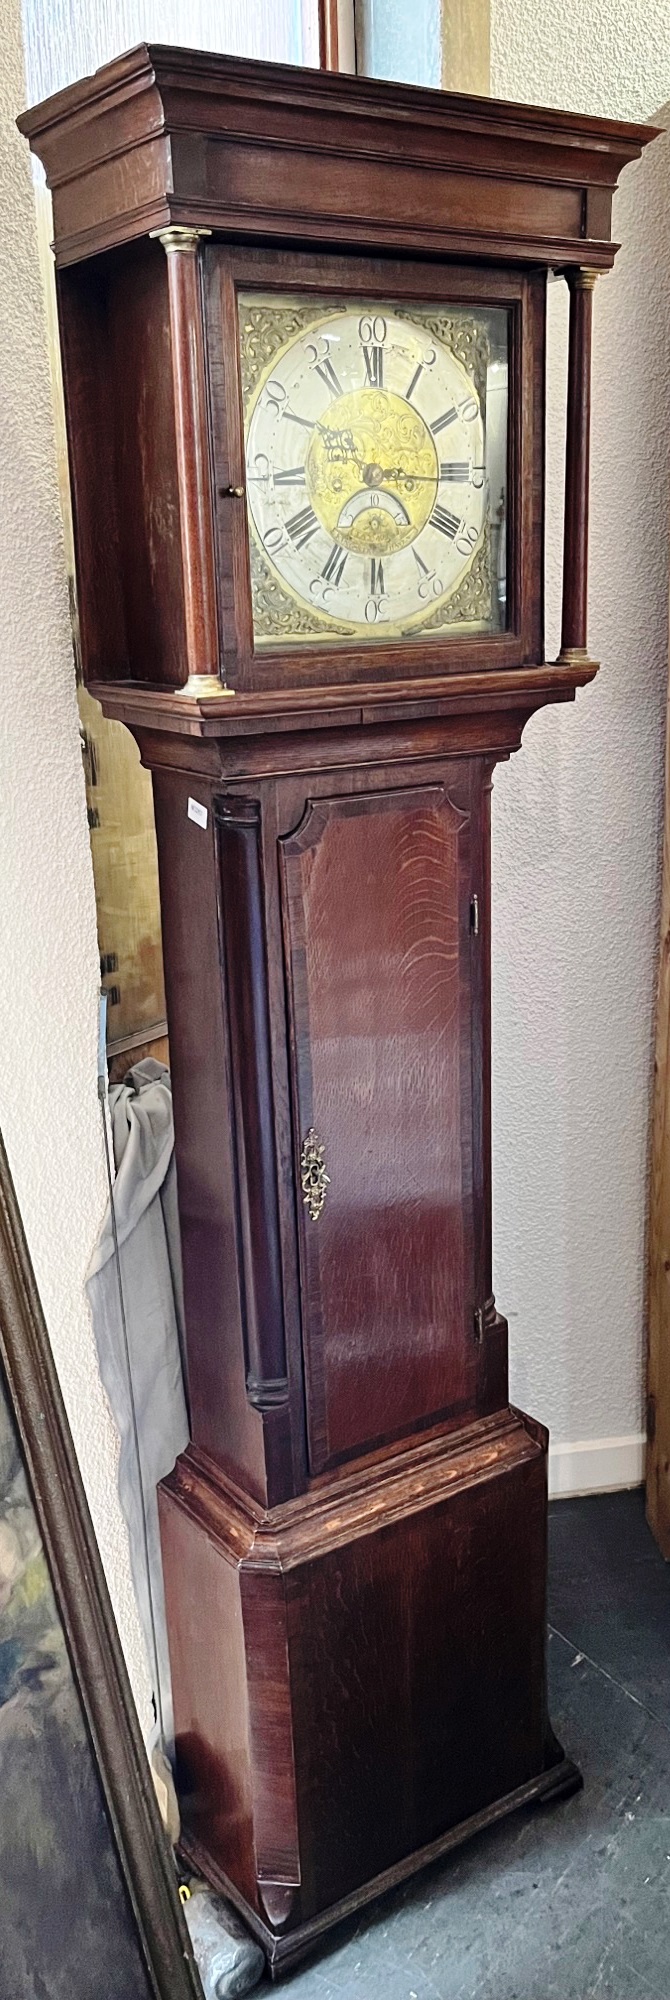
[372, 472]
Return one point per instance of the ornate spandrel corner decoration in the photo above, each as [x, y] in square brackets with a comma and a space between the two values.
[313, 1177]
[265, 329]
[473, 598]
[277, 615]
[465, 336]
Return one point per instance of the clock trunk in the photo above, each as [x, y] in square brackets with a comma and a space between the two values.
[378, 943]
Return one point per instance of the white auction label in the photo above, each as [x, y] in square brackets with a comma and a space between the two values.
[197, 812]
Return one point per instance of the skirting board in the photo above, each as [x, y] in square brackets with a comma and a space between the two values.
[596, 1465]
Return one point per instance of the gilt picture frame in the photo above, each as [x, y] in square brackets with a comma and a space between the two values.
[142, 1897]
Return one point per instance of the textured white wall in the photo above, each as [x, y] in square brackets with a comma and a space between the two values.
[49, 976]
[577, 816]
[610, 57]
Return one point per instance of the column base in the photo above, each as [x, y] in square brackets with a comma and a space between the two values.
[199, 686]
[576, 656]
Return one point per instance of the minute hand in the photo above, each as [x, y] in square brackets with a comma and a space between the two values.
[415, 478]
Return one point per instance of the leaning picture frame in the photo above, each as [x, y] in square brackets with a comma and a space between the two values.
[139, 1866]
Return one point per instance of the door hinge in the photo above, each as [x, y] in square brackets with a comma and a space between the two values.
[474, 915]
[479, 1323]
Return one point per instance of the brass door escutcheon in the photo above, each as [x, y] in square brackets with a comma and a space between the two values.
[313, 1177]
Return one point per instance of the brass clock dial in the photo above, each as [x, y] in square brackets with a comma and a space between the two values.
[367, 481]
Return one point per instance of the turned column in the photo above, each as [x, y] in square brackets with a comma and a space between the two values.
[329, 35]
[193, 472]
[576, 528]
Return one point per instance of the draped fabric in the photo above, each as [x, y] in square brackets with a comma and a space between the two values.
[145, 1287]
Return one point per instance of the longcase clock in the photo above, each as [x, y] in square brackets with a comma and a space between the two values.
[303, 329]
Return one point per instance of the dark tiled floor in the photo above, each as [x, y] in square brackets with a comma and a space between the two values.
[570, 1902]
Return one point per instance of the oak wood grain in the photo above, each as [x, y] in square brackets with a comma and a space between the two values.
[239, 834]
[284, 1950]
[166, 136]
[400, 1671]
[116, 343]
[192, 444]
[483, 695]
[378, 945]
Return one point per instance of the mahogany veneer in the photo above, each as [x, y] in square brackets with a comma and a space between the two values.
[355, 1538]
[262, 150]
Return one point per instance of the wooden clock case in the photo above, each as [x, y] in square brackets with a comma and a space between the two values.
[355, 1538]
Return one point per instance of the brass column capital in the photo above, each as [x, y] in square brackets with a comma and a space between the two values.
[584, 277]
[179, 239]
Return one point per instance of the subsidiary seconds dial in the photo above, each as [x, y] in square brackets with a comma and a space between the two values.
[365, 471]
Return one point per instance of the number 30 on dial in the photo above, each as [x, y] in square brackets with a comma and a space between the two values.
[366, 485]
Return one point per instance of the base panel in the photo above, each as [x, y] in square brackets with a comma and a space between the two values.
[358, 1676]
[284, 1953]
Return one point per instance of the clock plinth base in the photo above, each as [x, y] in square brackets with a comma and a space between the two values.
[358, 1674]
[551, 1787]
